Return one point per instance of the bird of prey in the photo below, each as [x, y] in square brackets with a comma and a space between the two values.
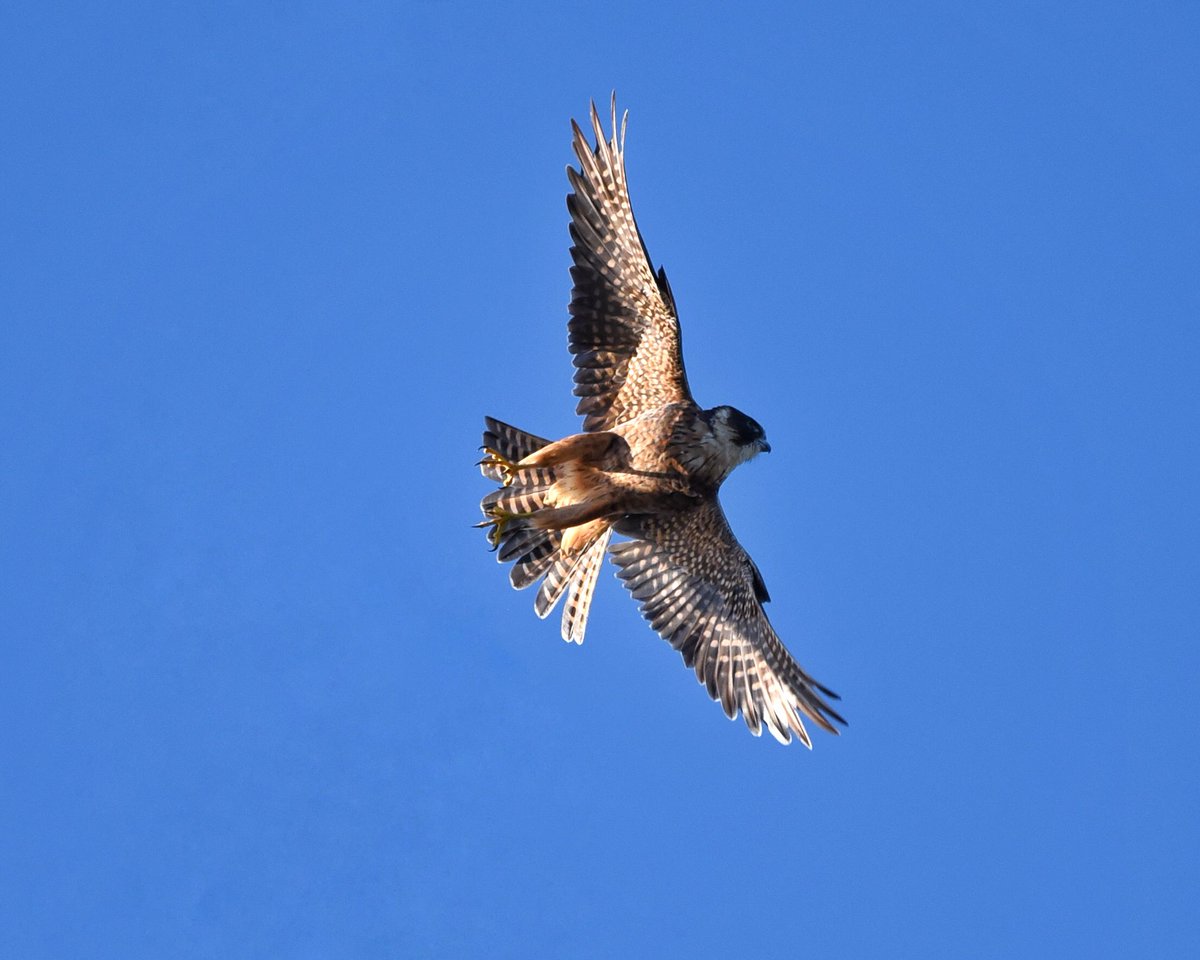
[647, 465]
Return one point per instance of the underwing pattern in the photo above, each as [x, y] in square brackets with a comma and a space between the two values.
[647, 465]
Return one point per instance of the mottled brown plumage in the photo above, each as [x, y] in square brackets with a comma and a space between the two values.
[648, 466]
[624, 332]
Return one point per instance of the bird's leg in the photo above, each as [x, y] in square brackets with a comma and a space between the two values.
[498, 520]
[586, 448]
[592, 449]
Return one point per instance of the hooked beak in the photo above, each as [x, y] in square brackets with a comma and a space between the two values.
[764, 446]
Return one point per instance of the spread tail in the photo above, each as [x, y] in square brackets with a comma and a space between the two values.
[569, 560]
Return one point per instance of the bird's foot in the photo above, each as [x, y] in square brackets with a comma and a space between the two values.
[497, 522]
[505, 467]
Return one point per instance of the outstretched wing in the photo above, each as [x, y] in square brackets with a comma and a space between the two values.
[624, 332]
[702, 593]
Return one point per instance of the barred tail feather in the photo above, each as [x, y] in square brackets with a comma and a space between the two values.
[583, 584]
[537, 554]
[558, 578]
[513, 444]
[519, 498]
[537, 560]
[573, 575]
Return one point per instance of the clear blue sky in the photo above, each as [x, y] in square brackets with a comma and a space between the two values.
[263, 268]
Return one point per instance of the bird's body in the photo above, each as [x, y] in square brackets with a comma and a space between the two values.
[647, 465]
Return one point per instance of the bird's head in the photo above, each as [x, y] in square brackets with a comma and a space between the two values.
[739, 437]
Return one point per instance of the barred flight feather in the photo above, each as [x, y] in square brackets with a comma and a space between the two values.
[700, 592]
[623, 320]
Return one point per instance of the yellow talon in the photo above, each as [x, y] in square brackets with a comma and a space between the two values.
[498, 520]
[494, 458]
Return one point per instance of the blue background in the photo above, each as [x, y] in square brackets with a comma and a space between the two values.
[265, 692]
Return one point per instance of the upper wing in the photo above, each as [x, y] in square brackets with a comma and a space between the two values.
[624, 332]
[702, 593]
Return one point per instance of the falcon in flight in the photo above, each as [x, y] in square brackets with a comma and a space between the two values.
[648, 466]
